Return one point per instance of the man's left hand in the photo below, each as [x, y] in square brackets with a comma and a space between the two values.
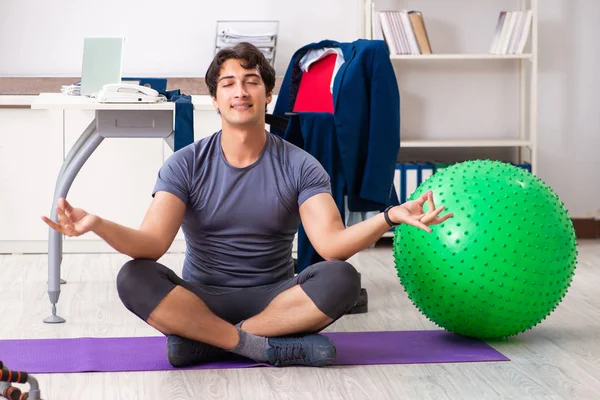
[412, 213]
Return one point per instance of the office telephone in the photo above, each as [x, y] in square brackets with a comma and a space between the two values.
[127, 93]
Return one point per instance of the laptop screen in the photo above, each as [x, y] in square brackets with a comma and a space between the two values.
[102, 63]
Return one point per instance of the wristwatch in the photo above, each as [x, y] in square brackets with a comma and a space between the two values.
[387, 217]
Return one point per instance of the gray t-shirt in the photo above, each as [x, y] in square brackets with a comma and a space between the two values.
[240, 222]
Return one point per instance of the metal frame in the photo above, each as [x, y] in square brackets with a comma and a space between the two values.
[106, 124]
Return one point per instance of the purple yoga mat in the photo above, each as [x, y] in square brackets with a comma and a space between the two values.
[148, 353]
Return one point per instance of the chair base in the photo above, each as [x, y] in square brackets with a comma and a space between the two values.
[362, 305]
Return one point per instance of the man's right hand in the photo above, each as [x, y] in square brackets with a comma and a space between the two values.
[71, 221]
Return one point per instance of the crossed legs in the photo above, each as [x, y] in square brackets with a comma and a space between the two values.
[306, 303]
[183, 313]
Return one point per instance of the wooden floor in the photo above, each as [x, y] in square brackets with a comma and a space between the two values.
[559, 359]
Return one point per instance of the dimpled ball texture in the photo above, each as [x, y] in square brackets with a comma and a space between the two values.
[501, 264]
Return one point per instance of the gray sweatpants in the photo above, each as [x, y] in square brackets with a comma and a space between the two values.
[333, 286]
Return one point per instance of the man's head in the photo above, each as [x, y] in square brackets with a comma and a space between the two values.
[240, 81]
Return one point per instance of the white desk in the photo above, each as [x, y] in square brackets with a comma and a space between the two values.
[111, 121]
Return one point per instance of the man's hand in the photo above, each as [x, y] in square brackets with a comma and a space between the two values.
[71, 221]
[412, 213]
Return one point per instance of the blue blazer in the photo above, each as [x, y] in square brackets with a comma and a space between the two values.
[366, 119]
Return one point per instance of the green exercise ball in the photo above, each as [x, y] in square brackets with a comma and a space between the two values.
[501, 264]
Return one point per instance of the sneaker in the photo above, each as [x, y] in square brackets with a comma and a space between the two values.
[182, 352]
[310, 350]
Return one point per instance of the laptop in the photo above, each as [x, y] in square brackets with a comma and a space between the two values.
[102, 63]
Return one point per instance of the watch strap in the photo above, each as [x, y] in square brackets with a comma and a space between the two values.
[387, 217]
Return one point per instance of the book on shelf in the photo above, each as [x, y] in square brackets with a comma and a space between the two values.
[512, 32]
[403, 31]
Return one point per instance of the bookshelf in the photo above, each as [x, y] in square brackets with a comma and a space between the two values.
[525, 138]
[482, 56]
[466, 143]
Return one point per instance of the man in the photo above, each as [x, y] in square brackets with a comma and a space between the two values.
[240, 196]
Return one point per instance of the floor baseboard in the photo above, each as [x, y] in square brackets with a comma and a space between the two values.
[586, 228]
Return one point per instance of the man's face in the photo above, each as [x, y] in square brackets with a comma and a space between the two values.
[241, 96]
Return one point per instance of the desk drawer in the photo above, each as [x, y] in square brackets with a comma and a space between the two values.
[134, 123]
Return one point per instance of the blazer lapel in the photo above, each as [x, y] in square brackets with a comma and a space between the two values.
[349, 51]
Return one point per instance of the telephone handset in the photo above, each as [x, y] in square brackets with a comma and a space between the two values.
[127, 93]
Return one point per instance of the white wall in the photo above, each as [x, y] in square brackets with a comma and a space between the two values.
[163, 38]
[176, 39]
[569, 102]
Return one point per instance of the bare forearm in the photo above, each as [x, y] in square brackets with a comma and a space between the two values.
[333, 241]
[344, 243]
[132, 242]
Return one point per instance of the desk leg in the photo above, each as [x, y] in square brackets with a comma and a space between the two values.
[81, 151]
[76, 147]
[171, 140]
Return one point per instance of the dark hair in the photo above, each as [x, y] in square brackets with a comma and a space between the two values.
[251, 58]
